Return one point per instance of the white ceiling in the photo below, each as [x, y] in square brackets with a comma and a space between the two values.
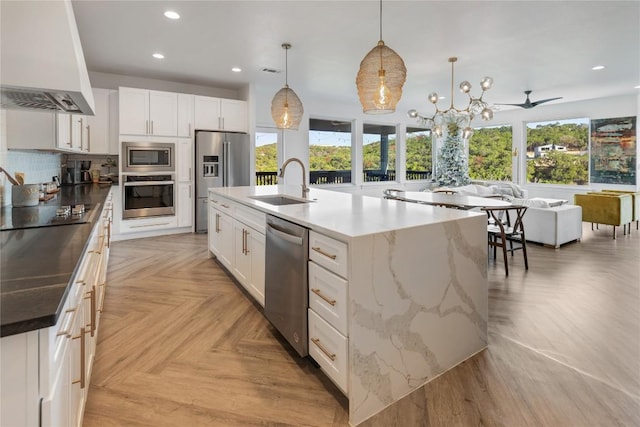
[546, 46]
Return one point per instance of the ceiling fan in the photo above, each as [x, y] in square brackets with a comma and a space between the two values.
[528, 104]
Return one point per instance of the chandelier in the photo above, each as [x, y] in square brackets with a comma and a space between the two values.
[286, 107]
[453, 117]
[380, 78]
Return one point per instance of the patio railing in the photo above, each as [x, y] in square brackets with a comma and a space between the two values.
[342, 176]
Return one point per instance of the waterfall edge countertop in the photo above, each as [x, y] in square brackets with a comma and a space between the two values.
[341, 215]
[39, 263]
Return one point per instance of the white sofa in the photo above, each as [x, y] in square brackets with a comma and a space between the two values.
[548, 221]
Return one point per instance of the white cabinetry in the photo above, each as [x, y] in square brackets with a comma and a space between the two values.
[237, 239]
[184, 185]
[185, 115]
[220, 114]
[328, 300]
[48, 130]
[46, 372]
[185, 204]
[148, 112]
[100, 138]
[220, 233]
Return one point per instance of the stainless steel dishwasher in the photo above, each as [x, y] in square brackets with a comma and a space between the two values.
[286, 294]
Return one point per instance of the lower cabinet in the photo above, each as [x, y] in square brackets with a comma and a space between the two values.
[329, 348]
[237, 239]
[328, 301]
[46, 372]
[221, 237]
[249, 256]
[185, 205]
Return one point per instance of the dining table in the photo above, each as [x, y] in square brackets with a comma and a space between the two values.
[457, 201]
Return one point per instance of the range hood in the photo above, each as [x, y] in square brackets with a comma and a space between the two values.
[42, 64]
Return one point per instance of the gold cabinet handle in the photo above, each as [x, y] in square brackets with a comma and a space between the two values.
[225, 206]
[217, 222]
[320, 251]
[82, 356]
[330, 355]
[324, 297]
[92, 296]
[88, 138]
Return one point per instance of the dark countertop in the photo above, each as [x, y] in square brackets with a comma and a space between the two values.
[38, 264]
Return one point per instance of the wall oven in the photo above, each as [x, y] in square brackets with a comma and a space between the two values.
[148, 195]
[143, 157]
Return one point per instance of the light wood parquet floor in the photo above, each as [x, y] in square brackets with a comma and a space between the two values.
[181, 345]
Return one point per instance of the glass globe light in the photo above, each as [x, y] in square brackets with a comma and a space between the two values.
[437, 129]
[432, 97]
[412, 113]
[467, 132]
[486, 83]
[476, 106]
[465, 87]
[487, 114]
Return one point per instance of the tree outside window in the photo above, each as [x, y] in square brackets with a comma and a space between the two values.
[490, 153]
[378, 152]
[329, 151]
[266, 158]
[419, 163]
[558, 152]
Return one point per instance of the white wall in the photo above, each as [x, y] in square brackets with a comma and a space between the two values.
[296, 143]
[113, 81]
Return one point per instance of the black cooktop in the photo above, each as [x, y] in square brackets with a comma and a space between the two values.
[39, 216]
[47, 214]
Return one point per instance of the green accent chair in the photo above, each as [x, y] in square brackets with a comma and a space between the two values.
[606, 208]
[636, 203]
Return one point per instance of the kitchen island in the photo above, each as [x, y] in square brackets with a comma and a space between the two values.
[415, 280]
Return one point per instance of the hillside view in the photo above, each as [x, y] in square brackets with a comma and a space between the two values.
[490, 154]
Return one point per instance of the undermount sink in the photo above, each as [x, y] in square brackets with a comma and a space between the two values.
[279, 200]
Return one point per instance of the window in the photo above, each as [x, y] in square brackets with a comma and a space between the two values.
[329, 151]
[266, 158]
[558, 152]
[378, 152]
[419, 158]
[490, 153]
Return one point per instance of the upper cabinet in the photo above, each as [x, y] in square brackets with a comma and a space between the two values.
[148, 112]
[48, 130]
[185, 115]
[220, 114]
[100, 138]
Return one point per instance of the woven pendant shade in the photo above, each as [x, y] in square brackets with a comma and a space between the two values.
[368, 79]
[286, 109]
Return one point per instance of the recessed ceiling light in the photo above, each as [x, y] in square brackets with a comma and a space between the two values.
[171, 14]
[236, 69]
[158, 56]
[598, 67]
[442, 97]
[637, 87]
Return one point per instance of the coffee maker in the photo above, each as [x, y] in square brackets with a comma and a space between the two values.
[76, 172]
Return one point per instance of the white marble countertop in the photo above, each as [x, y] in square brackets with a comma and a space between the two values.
[342, 214]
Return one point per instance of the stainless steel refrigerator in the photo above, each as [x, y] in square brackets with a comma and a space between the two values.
[222, 160]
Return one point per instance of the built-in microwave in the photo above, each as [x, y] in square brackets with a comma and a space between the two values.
[148, 157]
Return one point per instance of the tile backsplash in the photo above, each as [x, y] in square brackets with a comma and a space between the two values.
[37, 168]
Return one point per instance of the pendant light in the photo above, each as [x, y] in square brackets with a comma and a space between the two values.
[286, 107]
[380, 78]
